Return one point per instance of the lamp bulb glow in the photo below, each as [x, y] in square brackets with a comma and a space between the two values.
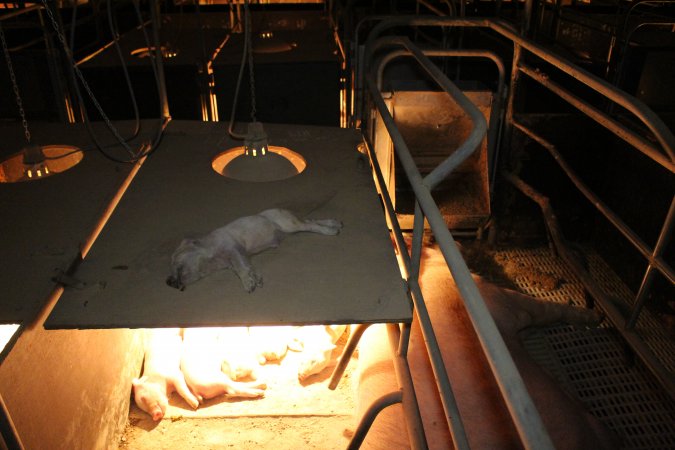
[255, 142]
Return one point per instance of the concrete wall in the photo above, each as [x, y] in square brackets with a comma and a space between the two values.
[70, 389]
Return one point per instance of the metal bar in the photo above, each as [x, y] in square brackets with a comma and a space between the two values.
[10, 436]
[156, 23]
[105, 47]
[443, 236]
[431, 7]
[54, 296]
[513, 88]
[354, 337]
[358, 63]
[496, 115]
[390, 211]
[626, 231]
[369, 417]
[443, 170]
[648, 117]
[479, 128]
[448, 401]
[634, 340]
[661, 245]
[19, 12]
[413, 420]
[525, 416]
[640, 143]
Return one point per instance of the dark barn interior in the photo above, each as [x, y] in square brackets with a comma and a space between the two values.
[529, 143]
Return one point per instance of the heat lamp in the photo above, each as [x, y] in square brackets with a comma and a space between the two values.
[35, 162]
[256, 161]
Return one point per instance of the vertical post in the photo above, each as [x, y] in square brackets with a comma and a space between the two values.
[156, 23]
[510, 105]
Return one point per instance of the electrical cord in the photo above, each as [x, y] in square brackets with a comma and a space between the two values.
[144, 150]
[247, 37]
[112, 24]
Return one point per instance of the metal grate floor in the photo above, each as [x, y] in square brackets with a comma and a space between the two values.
[593, 364]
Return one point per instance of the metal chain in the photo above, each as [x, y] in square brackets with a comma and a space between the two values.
[15, 85]
[66, 49]
[249, 50]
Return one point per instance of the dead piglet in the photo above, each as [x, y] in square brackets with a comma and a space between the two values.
[201, 366]
[318, 343]
[161, 374]
[231, 246]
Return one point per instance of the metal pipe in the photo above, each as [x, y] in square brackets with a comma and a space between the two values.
[618, 76]
[453, 418]
[497, 113]
[648, 117]
[10, 436]
[413, 420]
[637, 141]
[431, 7]
[354, 338]
[358, 63]
[104, 48]
[513, 88]
[389, 210]
[479, 129]
[634, 340]
[525, 416]
[19, 12]
[369, 417]
[156, 23]
[626, 231]
[661, 245]
[57, 291]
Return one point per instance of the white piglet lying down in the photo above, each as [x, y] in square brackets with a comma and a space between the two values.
[161, 373]
[239, 353]
[271, 343]
[201, 365]
[318, 343]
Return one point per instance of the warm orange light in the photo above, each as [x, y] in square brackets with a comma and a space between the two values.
[143, 52]
[223, 159]
[58, 158]
[6, 333]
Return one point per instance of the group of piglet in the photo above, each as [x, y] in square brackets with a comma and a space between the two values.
[204, 363]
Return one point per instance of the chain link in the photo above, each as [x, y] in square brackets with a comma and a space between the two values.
[249, 51]
[66, 49]
[15, 86]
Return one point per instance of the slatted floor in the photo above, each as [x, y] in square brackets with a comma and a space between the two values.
[594, 364]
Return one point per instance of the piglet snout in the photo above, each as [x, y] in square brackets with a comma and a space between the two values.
[175, 283]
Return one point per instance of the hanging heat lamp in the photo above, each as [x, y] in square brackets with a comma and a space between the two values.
[33, 162]
[256, 160]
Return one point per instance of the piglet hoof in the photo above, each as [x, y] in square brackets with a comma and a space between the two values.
[252, 281]
[335, 226]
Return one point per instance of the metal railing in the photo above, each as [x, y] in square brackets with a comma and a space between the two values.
[519, 403]
[662, 153]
